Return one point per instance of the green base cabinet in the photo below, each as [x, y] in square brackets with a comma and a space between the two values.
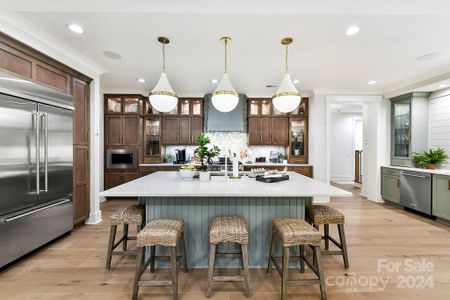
[441, 196]
[390, 185]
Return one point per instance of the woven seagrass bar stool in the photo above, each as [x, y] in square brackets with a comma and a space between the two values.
[295, 232]
[325, 215]
[131, 215]
[228, 229]
[160, 232]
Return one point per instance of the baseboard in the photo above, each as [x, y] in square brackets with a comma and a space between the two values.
[342, 181]
[94, 218]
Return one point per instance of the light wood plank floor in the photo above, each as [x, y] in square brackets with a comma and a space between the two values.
[73, 266]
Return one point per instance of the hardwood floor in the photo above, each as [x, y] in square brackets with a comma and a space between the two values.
[73, 266]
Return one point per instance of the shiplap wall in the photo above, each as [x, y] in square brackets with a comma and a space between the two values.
[440, 121]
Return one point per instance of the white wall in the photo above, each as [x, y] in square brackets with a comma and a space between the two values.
[345, 137]
[439, 130]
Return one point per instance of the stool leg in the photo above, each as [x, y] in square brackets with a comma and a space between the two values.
[212, 257]
[112, 237]
[271, 251]
[125, 237]
[173, 261]
[343, 244]
[153, 259]
[137, 276]
[183, 253]
[284, 276]
[244, 252]
[326, 234]
[323, 290]
[302, 255]
[314, 253]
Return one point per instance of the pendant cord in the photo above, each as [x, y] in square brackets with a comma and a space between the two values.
[286, 60]
[226, 62]
[164, 57]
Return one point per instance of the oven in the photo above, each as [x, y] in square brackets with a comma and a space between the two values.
[122, 158]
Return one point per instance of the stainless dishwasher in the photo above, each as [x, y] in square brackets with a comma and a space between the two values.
[415, 191]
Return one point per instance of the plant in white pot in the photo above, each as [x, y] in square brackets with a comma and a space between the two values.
[205, 155]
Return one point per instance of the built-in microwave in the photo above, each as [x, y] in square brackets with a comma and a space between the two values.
[122, 158]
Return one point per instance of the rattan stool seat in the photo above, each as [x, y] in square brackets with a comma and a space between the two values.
[295, 231]
[162, 232]
[228, 229]
[322, 214]
[133, 214]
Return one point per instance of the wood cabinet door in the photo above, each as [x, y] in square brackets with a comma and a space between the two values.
[441, 197]
[81, 113]
[113, 179]
[280, 131]
[306, 171]
[266, 131]
[196, 129]
[170, 130]
[129, 176]
[113, 126]
[80, 203]
[184, 130]
[80, 183]
[390, 188]
[254, 137]
[16, 62]
[131, 130]
[53, 77]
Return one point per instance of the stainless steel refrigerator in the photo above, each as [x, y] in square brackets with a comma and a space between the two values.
[36, 163]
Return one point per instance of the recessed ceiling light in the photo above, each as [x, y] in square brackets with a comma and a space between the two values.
[352, 30]
[141, 80]
[371, 82]
[442, 86]
[214, 81]
[296, 81]
[427, 56]
[76, 28]
[112, 54]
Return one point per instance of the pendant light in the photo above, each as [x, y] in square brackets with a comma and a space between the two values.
[287, 98]
[225, 98]
[163, 98]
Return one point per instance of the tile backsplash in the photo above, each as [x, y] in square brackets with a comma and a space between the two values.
[233, 141]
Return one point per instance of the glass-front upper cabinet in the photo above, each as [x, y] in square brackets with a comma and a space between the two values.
[409, 125]
[152, 140]
[191, 107]
[123, 104]
[302, 109]
[113, 105]
[298, 140]
[259, 107]
[132, 105]
[402, 127]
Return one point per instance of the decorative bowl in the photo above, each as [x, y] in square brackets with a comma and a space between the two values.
[188, 174]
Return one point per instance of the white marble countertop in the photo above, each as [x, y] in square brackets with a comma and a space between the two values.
[170, 184]
[436, 171]
[255, 164]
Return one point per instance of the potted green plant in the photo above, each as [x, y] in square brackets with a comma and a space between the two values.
[205, 155]
[430, 159]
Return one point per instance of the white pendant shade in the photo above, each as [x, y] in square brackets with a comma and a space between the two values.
[163, 98]
[225, 98]
[287, 98]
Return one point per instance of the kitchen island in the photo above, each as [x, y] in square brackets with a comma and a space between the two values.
[166, 195]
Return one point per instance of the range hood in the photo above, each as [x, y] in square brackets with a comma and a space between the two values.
[233, 121]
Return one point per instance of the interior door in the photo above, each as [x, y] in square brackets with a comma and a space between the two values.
[17, 154]
[56, 152]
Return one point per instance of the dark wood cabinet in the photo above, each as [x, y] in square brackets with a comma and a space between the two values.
[184, 130]
[170, 130]
[152, 139]
[115, 178]
[280, 131]
[122, 130]
[196, 129]
[298, 140]
[81, 113]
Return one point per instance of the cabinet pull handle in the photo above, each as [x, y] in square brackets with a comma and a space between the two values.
[260, 137]
[449, 185]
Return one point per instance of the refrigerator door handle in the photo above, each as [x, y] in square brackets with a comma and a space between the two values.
[37, 136]
[6, 220]
[45, 121]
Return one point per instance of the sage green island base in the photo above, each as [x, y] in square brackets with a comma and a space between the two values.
[167, 195]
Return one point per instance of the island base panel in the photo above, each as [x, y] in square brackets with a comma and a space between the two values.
[197, 212]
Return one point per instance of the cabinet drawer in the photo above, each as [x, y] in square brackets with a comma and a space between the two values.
[147, 170]
[307, 171]
[390, 171]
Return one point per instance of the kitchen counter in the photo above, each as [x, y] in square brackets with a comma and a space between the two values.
[256, 165]
[166, 195]
[170, 184]
[437, 171]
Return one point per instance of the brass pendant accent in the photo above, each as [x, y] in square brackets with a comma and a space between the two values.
[225, 40]
[287, 41]
[163, 40]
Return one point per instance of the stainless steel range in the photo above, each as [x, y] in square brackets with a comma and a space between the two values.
[36, 165]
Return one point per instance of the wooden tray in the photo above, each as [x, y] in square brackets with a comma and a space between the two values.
[272, 179]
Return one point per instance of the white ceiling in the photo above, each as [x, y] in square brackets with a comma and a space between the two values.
[322, 57]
